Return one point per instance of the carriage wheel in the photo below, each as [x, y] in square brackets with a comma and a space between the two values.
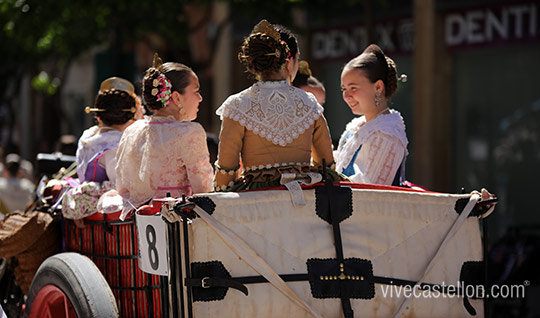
[69, 285]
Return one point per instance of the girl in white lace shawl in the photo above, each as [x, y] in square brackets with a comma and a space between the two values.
[373, 147]
[273, 128]
[165, 152]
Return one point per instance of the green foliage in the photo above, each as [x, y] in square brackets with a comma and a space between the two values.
[45, 84]
[33, 31]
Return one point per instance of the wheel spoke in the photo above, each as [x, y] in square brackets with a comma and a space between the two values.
[51, 302]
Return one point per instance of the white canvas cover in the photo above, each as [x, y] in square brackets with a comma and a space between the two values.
[398, 231]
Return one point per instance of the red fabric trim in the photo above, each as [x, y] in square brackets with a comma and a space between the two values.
[95, 166]
[353, 185]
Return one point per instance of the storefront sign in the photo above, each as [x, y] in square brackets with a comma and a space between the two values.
[339, 43]
[480, 26]
[492, 25]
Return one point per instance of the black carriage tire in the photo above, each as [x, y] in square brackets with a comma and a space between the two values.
[80, 280]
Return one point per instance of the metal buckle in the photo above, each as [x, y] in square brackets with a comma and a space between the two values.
[205, 282]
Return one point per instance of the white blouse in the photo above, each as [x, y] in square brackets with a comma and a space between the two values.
[157, 155]
[93, 141]
[383, 145]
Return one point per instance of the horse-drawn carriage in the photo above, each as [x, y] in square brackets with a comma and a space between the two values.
[350, 250]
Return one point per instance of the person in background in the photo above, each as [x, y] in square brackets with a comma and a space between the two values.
[114, 110]
[306, 81]
[66, 145]
[373, 147]
[15, 191]
[272, 128]
[164, 153]
[26, 167]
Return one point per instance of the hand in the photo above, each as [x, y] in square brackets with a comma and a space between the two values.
[487, 196]
[79, 223]
[487, 203]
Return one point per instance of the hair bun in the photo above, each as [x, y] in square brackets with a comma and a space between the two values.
[373, 48]
[303, 68]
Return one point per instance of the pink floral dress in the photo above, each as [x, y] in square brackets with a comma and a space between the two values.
[159, 155]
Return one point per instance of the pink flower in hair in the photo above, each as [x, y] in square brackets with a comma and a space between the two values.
[162, 89]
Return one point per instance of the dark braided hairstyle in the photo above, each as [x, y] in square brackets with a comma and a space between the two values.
[376, 66]
[264, 52]
[116, 105]
[178, 74]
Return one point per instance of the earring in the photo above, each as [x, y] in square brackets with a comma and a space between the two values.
[377, 99]
[182, 111]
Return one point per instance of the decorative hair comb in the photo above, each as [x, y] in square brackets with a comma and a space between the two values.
[89, 109]
[157, 62]
[265, 27]
[277, 53]
[118, 84]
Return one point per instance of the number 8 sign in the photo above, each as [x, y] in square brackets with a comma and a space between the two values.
[152, 238]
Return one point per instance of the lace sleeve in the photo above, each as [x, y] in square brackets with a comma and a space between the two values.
[197, 160]
[378, 160]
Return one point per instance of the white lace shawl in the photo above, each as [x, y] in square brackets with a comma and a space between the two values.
[273, 110]
[94, 140]
[391, 124]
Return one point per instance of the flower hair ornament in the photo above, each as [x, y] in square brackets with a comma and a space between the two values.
[162, 85]
[162, 89]
[287, 50]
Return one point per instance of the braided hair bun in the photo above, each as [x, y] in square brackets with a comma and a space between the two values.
[116, 107]
[261, 54]
[264, 51]
[151, 100]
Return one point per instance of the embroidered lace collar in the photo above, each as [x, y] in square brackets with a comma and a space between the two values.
[273, 110]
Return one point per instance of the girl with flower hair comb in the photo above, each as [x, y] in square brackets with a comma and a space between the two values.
[277, 130]
[165, 152]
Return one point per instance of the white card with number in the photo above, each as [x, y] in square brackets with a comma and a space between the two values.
[152, 239]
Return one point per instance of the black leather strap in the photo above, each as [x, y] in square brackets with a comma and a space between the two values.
[209, 282]
[261, 279]
[467, 304]
[335, 218]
